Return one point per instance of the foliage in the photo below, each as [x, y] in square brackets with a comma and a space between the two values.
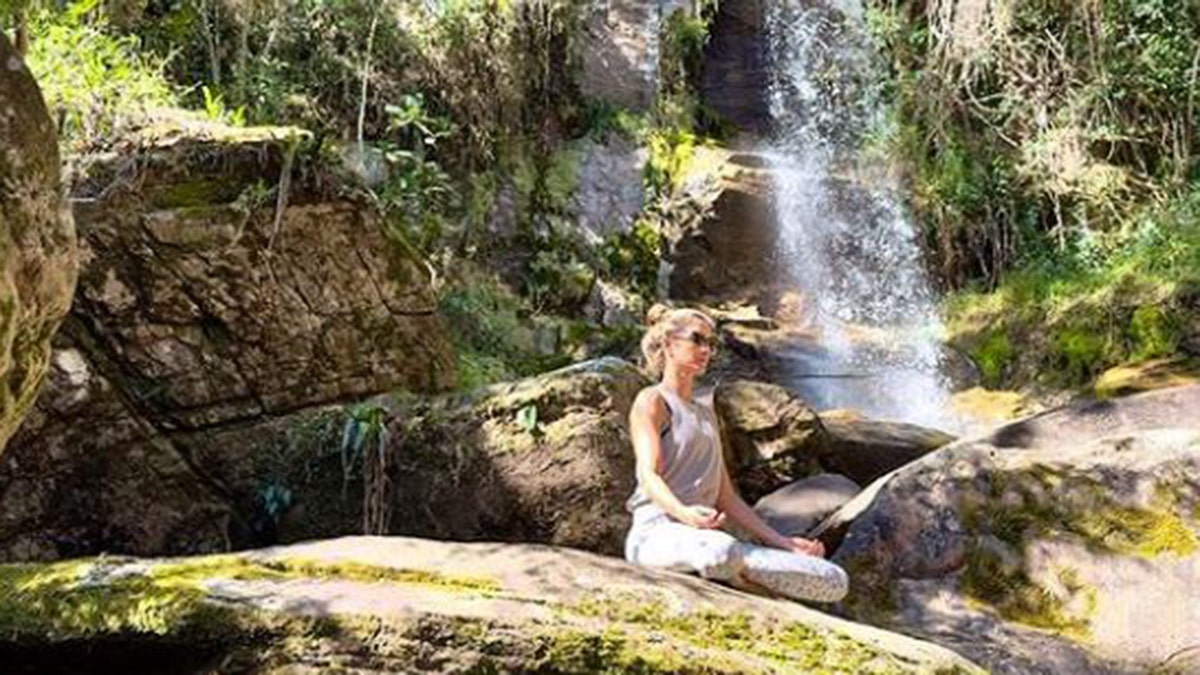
[1037, 126]
[95, 83]
[495, 338]
[418, 192]
[632, 258]
[1077, 318]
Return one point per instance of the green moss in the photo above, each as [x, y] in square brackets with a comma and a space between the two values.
[993, 356]
[1014, 595]
[612, 651]
[201, 192]
[793, 644]
[62, 601]
[82, 598]
[1153, 333]
[1079, 352]
[1044, 502]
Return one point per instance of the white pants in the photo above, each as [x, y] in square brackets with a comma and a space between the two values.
[667, 544]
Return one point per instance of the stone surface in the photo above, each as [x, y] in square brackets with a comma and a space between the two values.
[86, 474]
[38, 258]
[1067, 542]
[609, 305]
[1148, 376]
[864, 449]
[798, 507]
[770, 437]
[465, 468]
[736, 75]
[223, 312]
[620, 50]
[205, 304]
[610, 194]
[367, 604]
[728, 255]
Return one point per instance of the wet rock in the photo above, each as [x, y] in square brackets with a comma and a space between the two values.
[727, 256]
[38, 257]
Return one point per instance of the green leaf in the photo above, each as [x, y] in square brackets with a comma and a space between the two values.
[527, 418]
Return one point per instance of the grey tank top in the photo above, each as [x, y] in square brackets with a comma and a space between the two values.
[690, 461]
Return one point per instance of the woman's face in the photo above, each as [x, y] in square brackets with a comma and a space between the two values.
[691, 347]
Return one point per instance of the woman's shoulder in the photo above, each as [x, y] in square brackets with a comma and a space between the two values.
[650, 401]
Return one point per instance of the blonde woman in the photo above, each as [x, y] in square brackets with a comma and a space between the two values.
[684, 494]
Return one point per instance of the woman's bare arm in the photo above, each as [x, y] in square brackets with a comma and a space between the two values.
[730, 502]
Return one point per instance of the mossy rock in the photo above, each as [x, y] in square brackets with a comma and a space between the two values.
[397, 603]
[1147, 376]
[1046, 536]
[38, 257]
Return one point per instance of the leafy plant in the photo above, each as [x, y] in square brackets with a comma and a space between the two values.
[527, 419]
[96, 83]
[366, 440]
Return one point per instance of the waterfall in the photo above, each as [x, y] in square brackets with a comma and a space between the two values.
[846, 241]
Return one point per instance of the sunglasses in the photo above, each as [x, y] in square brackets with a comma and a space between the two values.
[700, 339]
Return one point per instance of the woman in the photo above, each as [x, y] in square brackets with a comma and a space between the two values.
[684, 494]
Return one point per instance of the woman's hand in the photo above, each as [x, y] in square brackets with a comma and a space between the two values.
[804, 546]
[702, 517]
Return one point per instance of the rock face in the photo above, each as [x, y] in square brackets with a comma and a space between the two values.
[544, 460]
[38, 259]
[736, 66]
[1069, 542]
[381, 605]
[228, 314]
[620, 50]
[728, 255]
[770, 437]
[610, 194]
[206, 302]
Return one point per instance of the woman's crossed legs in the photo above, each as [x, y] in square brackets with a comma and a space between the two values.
[715, 554]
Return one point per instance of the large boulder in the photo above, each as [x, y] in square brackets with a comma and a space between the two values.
[546, 459]
[87, 474]
[1068, 542]
[383, 605]
[225, 285]
[798, 507]
[38, 258]
[865, 449]
[727, 255]
[770, 436]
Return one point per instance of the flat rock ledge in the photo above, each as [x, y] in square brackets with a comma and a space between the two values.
[390, 604]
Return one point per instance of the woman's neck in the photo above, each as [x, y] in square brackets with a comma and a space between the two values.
[680, 383]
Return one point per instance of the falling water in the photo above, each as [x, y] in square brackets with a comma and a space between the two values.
[847, 242]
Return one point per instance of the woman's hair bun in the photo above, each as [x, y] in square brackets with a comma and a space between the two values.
[657, 313]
